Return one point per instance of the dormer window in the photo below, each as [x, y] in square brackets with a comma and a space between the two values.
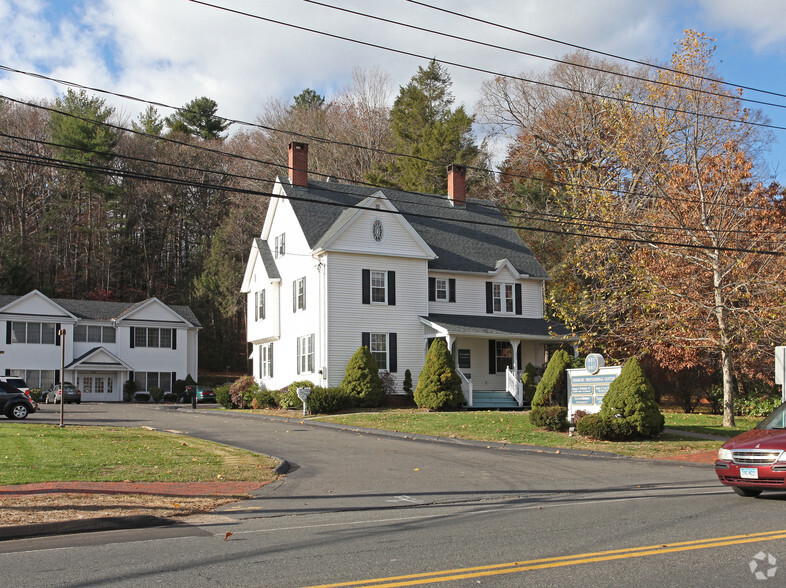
[503, 297]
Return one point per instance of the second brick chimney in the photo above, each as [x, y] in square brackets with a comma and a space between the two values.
[457, 184]
[298, 164]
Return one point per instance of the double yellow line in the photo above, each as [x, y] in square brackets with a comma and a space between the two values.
[556, 562]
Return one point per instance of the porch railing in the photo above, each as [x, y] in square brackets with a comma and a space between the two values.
[466, 387]
[514, 386]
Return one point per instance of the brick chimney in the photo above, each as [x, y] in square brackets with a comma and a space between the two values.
[298, 164]
[457, 184]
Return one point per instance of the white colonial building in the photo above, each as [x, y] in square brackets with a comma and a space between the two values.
[105, 343]
[339, 266]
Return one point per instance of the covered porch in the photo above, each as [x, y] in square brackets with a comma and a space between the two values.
[491, 352]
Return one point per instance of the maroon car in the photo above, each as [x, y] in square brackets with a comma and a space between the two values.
[756, 460]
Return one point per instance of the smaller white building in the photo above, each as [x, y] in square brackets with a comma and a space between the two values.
[105, 343]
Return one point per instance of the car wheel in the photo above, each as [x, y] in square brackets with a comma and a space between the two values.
[18, 411]
[747, 492]
[79, 402]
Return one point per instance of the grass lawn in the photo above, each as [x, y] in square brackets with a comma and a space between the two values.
[31, 453]
[514, 427]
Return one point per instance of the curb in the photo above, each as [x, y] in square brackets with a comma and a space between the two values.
[83, 526]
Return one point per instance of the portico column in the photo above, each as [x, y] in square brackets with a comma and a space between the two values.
[514, 343]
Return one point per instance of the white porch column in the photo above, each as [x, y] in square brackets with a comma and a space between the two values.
[514, 343]
[450, 340]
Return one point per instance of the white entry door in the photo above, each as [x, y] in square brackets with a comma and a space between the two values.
[98, 387]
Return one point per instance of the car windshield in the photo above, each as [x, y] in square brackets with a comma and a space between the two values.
[776, 420]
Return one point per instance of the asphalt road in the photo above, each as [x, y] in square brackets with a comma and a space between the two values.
[367, 509]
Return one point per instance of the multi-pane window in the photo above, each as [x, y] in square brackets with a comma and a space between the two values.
[441, 288]
[94, 334]
[280, 245]
[504, 354]
[145, 381]
[42, 379]
[503, 297]
[379, 349]
[36, 333]
[379, 287]
[299, 295]
[152, 337]
[260, 305]
[305, 354]
[266, 361]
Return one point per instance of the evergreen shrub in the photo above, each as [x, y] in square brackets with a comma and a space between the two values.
[631, 397]
[528, 384]
[408, 383]
[129, 390]
[264, 398]
[605, 429]
[362, 380]
[328, 400]
[289, 400]
[439, 386]
[142, 397]
[553, 418]
[157, 394]
[552, 389]
[222, 395]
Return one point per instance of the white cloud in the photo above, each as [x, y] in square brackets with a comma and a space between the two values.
[761, 21]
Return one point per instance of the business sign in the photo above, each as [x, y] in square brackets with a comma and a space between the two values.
[587, 387]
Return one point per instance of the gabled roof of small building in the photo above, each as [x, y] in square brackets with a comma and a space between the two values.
[473, 238]
[100, 310]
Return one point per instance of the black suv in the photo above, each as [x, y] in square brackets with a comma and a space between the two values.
[13, 402]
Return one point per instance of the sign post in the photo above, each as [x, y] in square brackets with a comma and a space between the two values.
[62, 333]
[303, 393]
[588, 386]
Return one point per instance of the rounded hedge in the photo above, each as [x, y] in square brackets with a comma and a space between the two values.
[631, 397]
[552, 389]
[439, 386]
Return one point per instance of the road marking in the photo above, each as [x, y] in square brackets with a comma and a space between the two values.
[405, 499]
[555, 562]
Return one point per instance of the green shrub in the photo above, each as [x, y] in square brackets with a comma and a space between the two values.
[129, 390]
[439, 386]
[289, 400]
[362, 380]
[605, 429]
[631, 397]
[264, 398]
[142, 397]
[180, 385]
[242, 391]
[223, 396]
[170, 397]
[35, 394]
[756, 406]
[552, 389]
[408, 383]
[327, 400]
[388, 381]
[553, 418]
[157, 394]
[528, 384]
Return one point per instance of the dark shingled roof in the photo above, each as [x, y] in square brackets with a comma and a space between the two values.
[267, 259]
[104, 311]
[500, 326]
[466, 239]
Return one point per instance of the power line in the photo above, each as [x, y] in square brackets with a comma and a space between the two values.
[596, 51]
[487, 71]
[543, 57]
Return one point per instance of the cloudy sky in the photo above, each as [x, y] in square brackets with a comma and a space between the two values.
[170, 51]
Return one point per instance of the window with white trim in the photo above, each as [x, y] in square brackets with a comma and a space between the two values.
[266, 361]
[441, 288]
[503, 297]
[379, 287]
[299, 295]
[42, 379]
[145, 381]
[153, 337]
[94, 334]
[33, 333]
[260, 305]
[504, 355]
[378, 345]
[280, 248]
[305, 354]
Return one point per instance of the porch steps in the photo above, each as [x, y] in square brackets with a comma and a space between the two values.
[493, 399]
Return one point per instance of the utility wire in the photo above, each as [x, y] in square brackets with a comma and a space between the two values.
[596, 51]
[488, 71]
[538, 56]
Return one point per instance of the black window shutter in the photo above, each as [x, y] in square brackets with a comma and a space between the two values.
[57, 334]
[366, 285]
[492, 356]
[173, 379]
[8, 332]
[518, 357]
[297, 354]
[518, 298]
[365, 339]
[174, 338]
[131, 330]
[452, 290]
[57, 376]
[489, 299]
[432, 289]
[391, 288]
[256, 306]
[393, 352]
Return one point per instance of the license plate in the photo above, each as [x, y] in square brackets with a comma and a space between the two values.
[750, 473]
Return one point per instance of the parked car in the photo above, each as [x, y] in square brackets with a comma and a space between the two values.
[17, 382]
[13, 403]
[69, 392]
[203, 394]
[756, 460]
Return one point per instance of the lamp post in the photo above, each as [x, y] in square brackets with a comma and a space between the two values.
[62, 333]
